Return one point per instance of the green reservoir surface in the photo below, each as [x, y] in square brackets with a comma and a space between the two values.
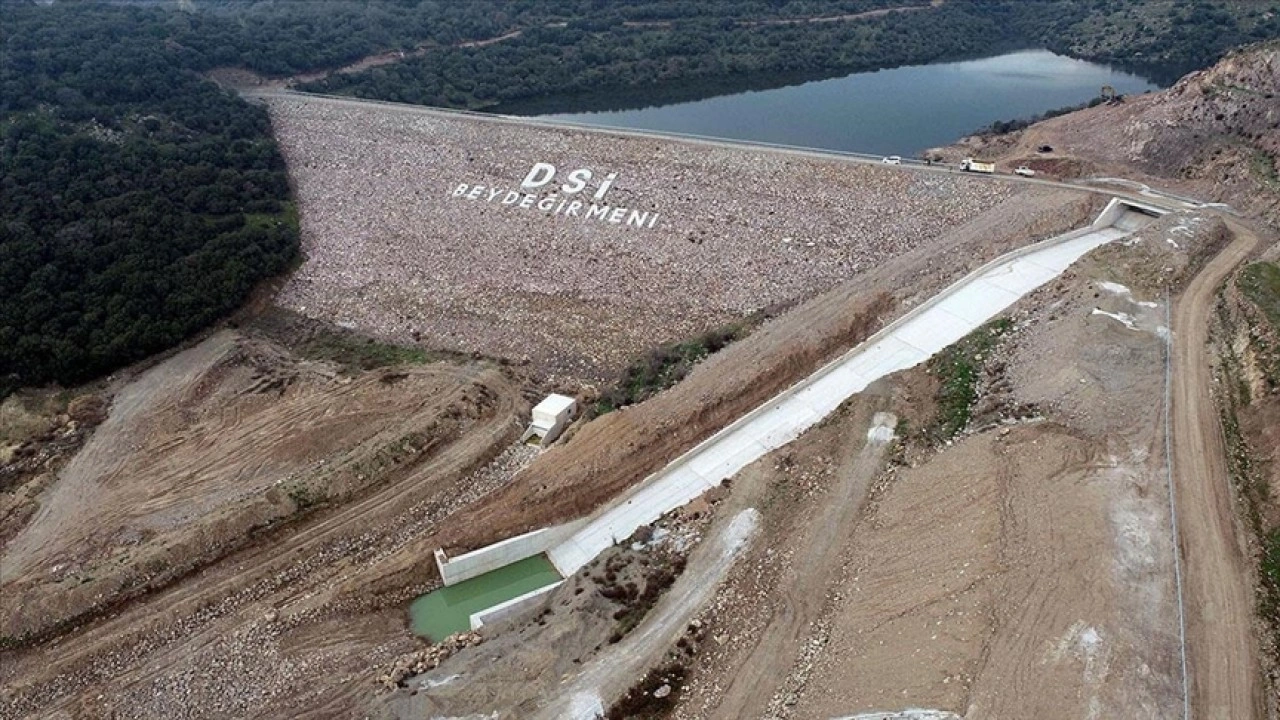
[448, 610]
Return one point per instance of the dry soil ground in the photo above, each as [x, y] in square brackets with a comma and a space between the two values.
[1024, 570]
[186, 614]
[193, 457]
[1223, 660]
[226, 483]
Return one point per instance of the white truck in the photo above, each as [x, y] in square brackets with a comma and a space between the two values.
[971, 165]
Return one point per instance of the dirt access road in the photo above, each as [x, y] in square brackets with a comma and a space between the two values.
[1222, 649]
[162, 650]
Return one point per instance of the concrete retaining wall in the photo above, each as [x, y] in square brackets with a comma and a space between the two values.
[500, 554]
[514, 607]
[486, 559]
[1118, 207]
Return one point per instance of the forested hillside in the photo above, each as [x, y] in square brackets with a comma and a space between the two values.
[638, 46]
[138, 202]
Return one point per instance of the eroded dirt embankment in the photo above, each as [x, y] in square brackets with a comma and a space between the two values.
[1017, 557]
[1245, 334]
[248, 478]
[231, 437]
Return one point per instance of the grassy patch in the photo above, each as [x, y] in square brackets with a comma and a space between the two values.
[642, 700]
[304, 498]
[1263, 167]
[958, 368]
[288, 216]
[1260, 282]
[354, 352]
[665, 366]
[1269, 603]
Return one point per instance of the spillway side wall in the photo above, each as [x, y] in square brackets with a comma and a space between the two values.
[500, 554]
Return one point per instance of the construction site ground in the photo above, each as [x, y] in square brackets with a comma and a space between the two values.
[242, 532]
[1024, 569]
[1021, 570]
[248, 506]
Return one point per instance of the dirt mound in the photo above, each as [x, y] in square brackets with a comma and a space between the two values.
[231, 436]
[1165, 255]
[1195, 124]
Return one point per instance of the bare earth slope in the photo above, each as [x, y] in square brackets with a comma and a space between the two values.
[237, 483]
[1025, 570]
[1212, 135]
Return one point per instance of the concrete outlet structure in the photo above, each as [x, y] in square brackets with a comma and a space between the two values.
[500, 554]
[550, 418]
[513, 608]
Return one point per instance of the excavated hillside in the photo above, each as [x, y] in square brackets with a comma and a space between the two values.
[1212, 135]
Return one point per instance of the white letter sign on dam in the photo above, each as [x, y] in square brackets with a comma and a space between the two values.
[559, 201]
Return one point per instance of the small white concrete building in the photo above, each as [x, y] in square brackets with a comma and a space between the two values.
[550, 417]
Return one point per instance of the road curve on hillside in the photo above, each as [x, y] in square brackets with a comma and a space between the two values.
[1222, 651]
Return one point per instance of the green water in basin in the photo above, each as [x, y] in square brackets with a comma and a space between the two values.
[448, 610]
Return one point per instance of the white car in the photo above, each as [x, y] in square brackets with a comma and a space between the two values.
[891, 160]
[1025, 171]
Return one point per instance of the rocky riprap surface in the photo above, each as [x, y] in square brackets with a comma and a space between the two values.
[428, 658]
[391, 251]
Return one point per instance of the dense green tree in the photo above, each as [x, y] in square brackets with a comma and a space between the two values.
[138, 201]
[699, 48]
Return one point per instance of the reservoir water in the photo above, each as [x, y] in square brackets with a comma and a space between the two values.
[448, 610]
[901, 111]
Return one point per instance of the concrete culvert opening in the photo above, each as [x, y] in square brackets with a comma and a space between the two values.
[550, 418]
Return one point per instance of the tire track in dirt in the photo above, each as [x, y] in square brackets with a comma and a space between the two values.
[807, 583]
[1222, 649]
[126, 648]
[67, 500]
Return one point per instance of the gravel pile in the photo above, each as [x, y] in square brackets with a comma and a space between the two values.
[393, 252]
